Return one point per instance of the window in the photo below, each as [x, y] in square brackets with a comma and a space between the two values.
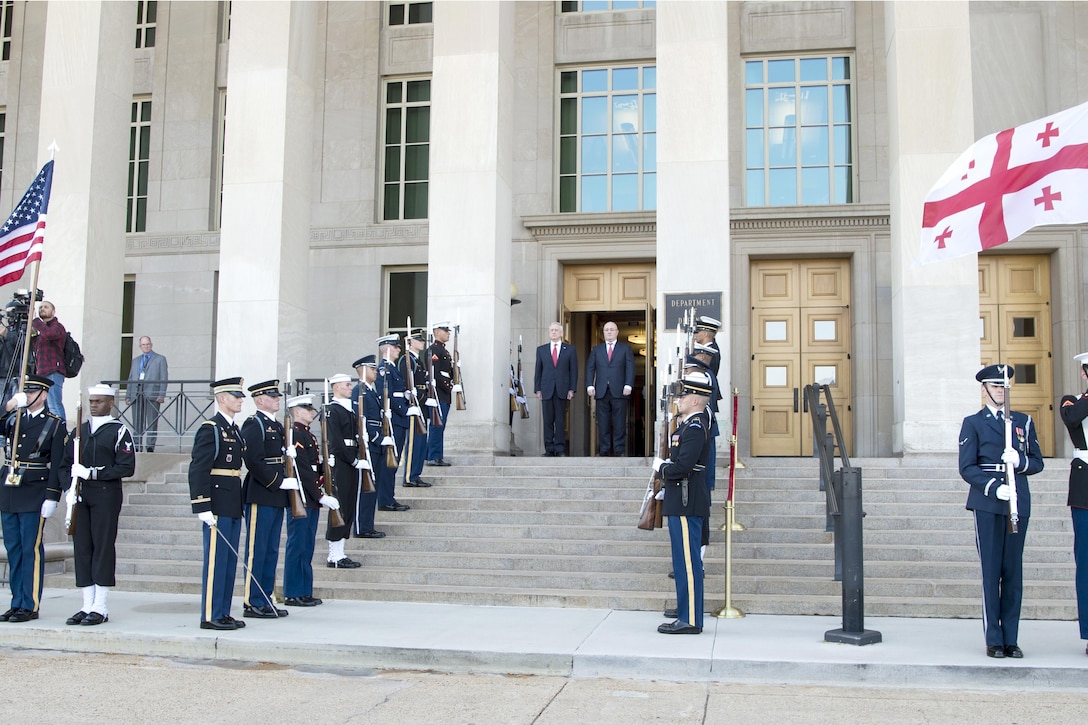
[128, 323]
[798, 141]
[405, 296]
[591, 6]
[608, 139]
[407, 148]
[418, 12]
[6, 12]
[139, 146]
[146, 11]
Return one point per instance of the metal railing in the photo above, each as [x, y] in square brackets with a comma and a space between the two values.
[168, 426]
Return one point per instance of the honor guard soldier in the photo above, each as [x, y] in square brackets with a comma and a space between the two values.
[441, 363]
[1074, 410]
[686, 500]
[342, 427]
[33, 476]
[107, 454]
[215, 490]
[265, 491]
[391, 389]
[702, 360]
[706, 332]
[298, 570]
[366, 400]
[984, 456]
[417, 442]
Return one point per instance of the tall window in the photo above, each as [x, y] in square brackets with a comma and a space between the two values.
[407, 148]
[405, 296]
[591, 6]
[798, 145]
[146, 12]
[608, 139]
[7, 9]
[410, 13]
[128, 323]
[139, 153]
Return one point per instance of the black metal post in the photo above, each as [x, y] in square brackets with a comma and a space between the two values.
[853, 582]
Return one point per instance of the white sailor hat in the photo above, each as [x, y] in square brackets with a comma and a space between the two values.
[703, 322]
[305, 401]
[339, 378]
[102, 389]
[1082, 358]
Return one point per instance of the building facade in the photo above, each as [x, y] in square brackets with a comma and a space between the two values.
[254, 184]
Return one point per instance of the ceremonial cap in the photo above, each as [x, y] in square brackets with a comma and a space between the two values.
[228, 385]
[368, 360]
[271, 388]
[417, 333]
[444, 325]
[36, 382]
[701, 349]
[388, 340]
[102, 389]
[696, 383]
[995, 374]
[1082, 358]
[702, 322]
[339, 378]
[301, 401]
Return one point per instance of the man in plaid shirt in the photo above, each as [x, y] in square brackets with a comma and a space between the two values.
[50, 335]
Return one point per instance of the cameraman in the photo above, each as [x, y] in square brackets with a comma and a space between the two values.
[50, 354]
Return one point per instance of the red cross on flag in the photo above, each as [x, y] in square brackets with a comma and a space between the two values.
[1005, 184]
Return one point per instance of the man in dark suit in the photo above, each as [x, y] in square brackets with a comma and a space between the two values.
[984, 459]
[610, 373]
[554, 380]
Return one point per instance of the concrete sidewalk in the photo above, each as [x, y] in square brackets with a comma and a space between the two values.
[566, 642]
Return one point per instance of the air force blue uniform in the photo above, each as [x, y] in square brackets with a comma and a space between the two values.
[367, 401]
[391, 384]
[1074, 410]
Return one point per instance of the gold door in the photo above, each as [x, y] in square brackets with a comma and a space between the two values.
[1014, 312]
[800, 335]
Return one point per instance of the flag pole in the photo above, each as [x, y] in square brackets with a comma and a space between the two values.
[14, 478]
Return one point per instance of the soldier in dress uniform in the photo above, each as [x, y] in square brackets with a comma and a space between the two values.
[106, 455]
[265, 492]
[686, 502]
[31, 481]
[1074, 410]
[342, 427]
[416, 442]
[391, 386]
[298, 570]
[367, 403]
[702, 360]
[215, 490]
[983, 460]
[442, 363]
[706, 332]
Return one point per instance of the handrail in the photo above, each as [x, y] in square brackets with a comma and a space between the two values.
[186, 404]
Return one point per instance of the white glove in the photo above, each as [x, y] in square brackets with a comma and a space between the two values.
[626, 389]
[658, 463]
[207, 517]
[591, 391]
[80, 471]
[457, 388]
[1003, 492]
[432, 403]
[388, 441]
[1011, 457]
[332, 461]
[290, 452]
[289, 484]
[20, 400]
[48, 507]
[362, 465]
[329, 502]
[70, 497]
[414, 410]
[387, 413]
[660, 495]
[513, 392]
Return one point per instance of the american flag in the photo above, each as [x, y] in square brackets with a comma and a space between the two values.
[23, 233]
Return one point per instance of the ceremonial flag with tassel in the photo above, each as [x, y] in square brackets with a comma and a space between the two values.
[23, 233]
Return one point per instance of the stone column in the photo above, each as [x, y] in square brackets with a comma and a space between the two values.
[86, 102]
[693, 165]
[471, 207]
[935, 314]
[265, 239]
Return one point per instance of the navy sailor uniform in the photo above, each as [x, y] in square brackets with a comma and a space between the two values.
[342, 427]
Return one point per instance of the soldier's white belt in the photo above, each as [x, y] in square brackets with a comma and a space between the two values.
[398, 395]
[235, 472]
[350, 442]
[992, 467]
[1083, 455]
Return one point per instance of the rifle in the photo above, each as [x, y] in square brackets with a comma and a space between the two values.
[410, 383]
[388, 442]
[650, 517]
[366, 475]
[432, 401]
[298, 503]
[458, 388]
[335, 518]
[1010, 472]
[519, 387]
[70, 514]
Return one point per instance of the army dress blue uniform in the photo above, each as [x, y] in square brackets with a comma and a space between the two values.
[981, 444]
[1074, 412]
[390, 385]
[265, 503]
[40, 459]
[298, 570]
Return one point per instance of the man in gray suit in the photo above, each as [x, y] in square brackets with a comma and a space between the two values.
[146, 391]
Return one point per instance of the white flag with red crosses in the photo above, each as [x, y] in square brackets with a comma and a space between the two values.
[1005, 184]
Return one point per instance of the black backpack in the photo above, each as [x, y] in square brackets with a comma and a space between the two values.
[73, 356]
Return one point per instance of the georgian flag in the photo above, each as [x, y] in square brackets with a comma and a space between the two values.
[1005, 184]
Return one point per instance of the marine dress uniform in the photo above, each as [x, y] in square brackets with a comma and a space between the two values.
[30, 488]
[982, 452]
[686, 505]
[442, 363]
[265, 502]
[1074, 410]
[416, 441]
[215, 486]
[298, 570]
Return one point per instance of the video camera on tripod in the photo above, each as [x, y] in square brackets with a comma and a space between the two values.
[16, 316]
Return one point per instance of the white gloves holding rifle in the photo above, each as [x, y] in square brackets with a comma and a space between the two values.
[290, 452]
[1003, 492]
[658, 463]
[362, 465]
[1011, 457]
[289, 484]
[207, 517]
[332, 461]
[329, 502]
[81, 471]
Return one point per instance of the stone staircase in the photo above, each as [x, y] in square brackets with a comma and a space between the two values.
[561, 532]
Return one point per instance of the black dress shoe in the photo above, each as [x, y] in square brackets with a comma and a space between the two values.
[672, 575]
[1013, 651]
[7, 615]
[94, 618]
[395, 507]
[679, 627]
[22, 615]
[670, 613]
[997, 652]
[299, 602]
[344, 563]
[220, 623]
[76, 618]
[238, 624]
[259, 612]
[371, 535]
[418, 483]
[313, 601]
[279, 612]
[442, 462]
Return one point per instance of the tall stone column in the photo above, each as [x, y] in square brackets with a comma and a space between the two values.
[86, 103]
[471, 207]
[693, 163]
[935, 313]
[265, 239]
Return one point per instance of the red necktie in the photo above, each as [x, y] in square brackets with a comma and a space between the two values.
[555, 355]
[609, 352]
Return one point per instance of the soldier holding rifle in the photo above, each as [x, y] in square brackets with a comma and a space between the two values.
[106, 455]
[346, 462]
[369, 406]
[414, 372]
[395, 408]
[441, 375]
[998, 451]
[1074, 410]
